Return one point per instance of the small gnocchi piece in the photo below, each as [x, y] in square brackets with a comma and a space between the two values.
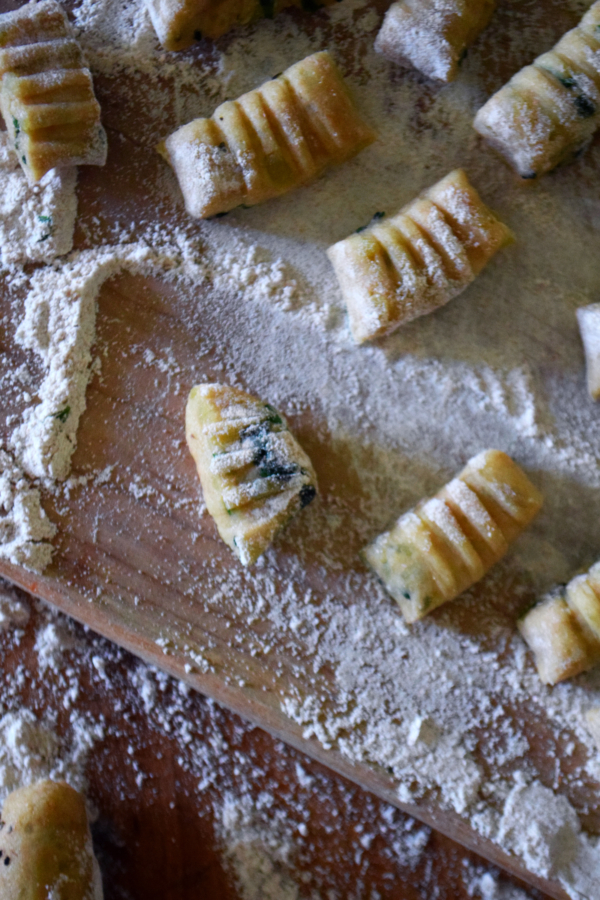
[255, 476]
[418, 260]
[445, 544]
[563, 630]
[179, 23]
[46, 846]
[46, 93]
[547, 113]
[432, 35]
[589, 327]
[275, 138]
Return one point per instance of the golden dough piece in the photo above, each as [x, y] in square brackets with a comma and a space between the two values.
[548, 112]
[254, 474]
[589, 327]
[432, 35]
[46, 846]
[437, 550]
[407, 266]
[269, 141]
[564, 629]
[46, 94]
[178, 23]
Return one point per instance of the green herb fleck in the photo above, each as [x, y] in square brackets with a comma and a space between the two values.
[274, 417]
[17, 127]
[584, 106]
[45, 219]
[63, 415]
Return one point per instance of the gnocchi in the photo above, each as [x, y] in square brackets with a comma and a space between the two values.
[445, 544]
[254, 474]
[275, 138]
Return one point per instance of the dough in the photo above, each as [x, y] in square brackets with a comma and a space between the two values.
[269, 141]
[418, 260]
[437, 550]
[432, 35]
[547, 113]
[255, 476]
[564, 629]
[46, 93]
[46, 846]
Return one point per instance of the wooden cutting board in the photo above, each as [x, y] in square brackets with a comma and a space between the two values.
[132, 554]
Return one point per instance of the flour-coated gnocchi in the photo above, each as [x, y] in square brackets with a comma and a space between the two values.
[416, 261]
[255, 475]
[267, 142]
[46, 92]
[563, 631]
[432, 35]
[46, 850]
[179, 23]
[547, 113]
[445, 544]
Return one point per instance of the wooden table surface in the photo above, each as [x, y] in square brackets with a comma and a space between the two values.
[157, 841]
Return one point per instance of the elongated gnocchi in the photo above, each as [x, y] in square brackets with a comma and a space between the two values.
[179, 23]
[589, 326]
[445, 544]
[255, 476]
[563, 630]
[46, 92]
[418, 260]
[269, 141]
[432, 35]
[548, 112]
[46, 846]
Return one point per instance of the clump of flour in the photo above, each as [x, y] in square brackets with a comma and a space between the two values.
[25, 530]
[36, 222]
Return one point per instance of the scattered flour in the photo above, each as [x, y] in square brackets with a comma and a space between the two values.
[36, 223]
[25, 530]
[59, 326]
[14, 613]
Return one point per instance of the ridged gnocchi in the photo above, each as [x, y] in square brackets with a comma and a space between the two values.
[275, 138]
[255, 475]
[179, 23]
[563, 631]
[432, 35]
[445, 544]
[46, 92]
[548, 112]
[418, 260]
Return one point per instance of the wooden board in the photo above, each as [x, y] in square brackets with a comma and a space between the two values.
[136, 564]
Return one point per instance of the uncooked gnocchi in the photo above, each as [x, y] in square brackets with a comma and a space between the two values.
[432, 35]
[418, 260]
[547, 113]
[179, 23]
[255, 475]
[269, 141]
[46, 846]
[46, 92]
[445, 544]
[563, 630]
